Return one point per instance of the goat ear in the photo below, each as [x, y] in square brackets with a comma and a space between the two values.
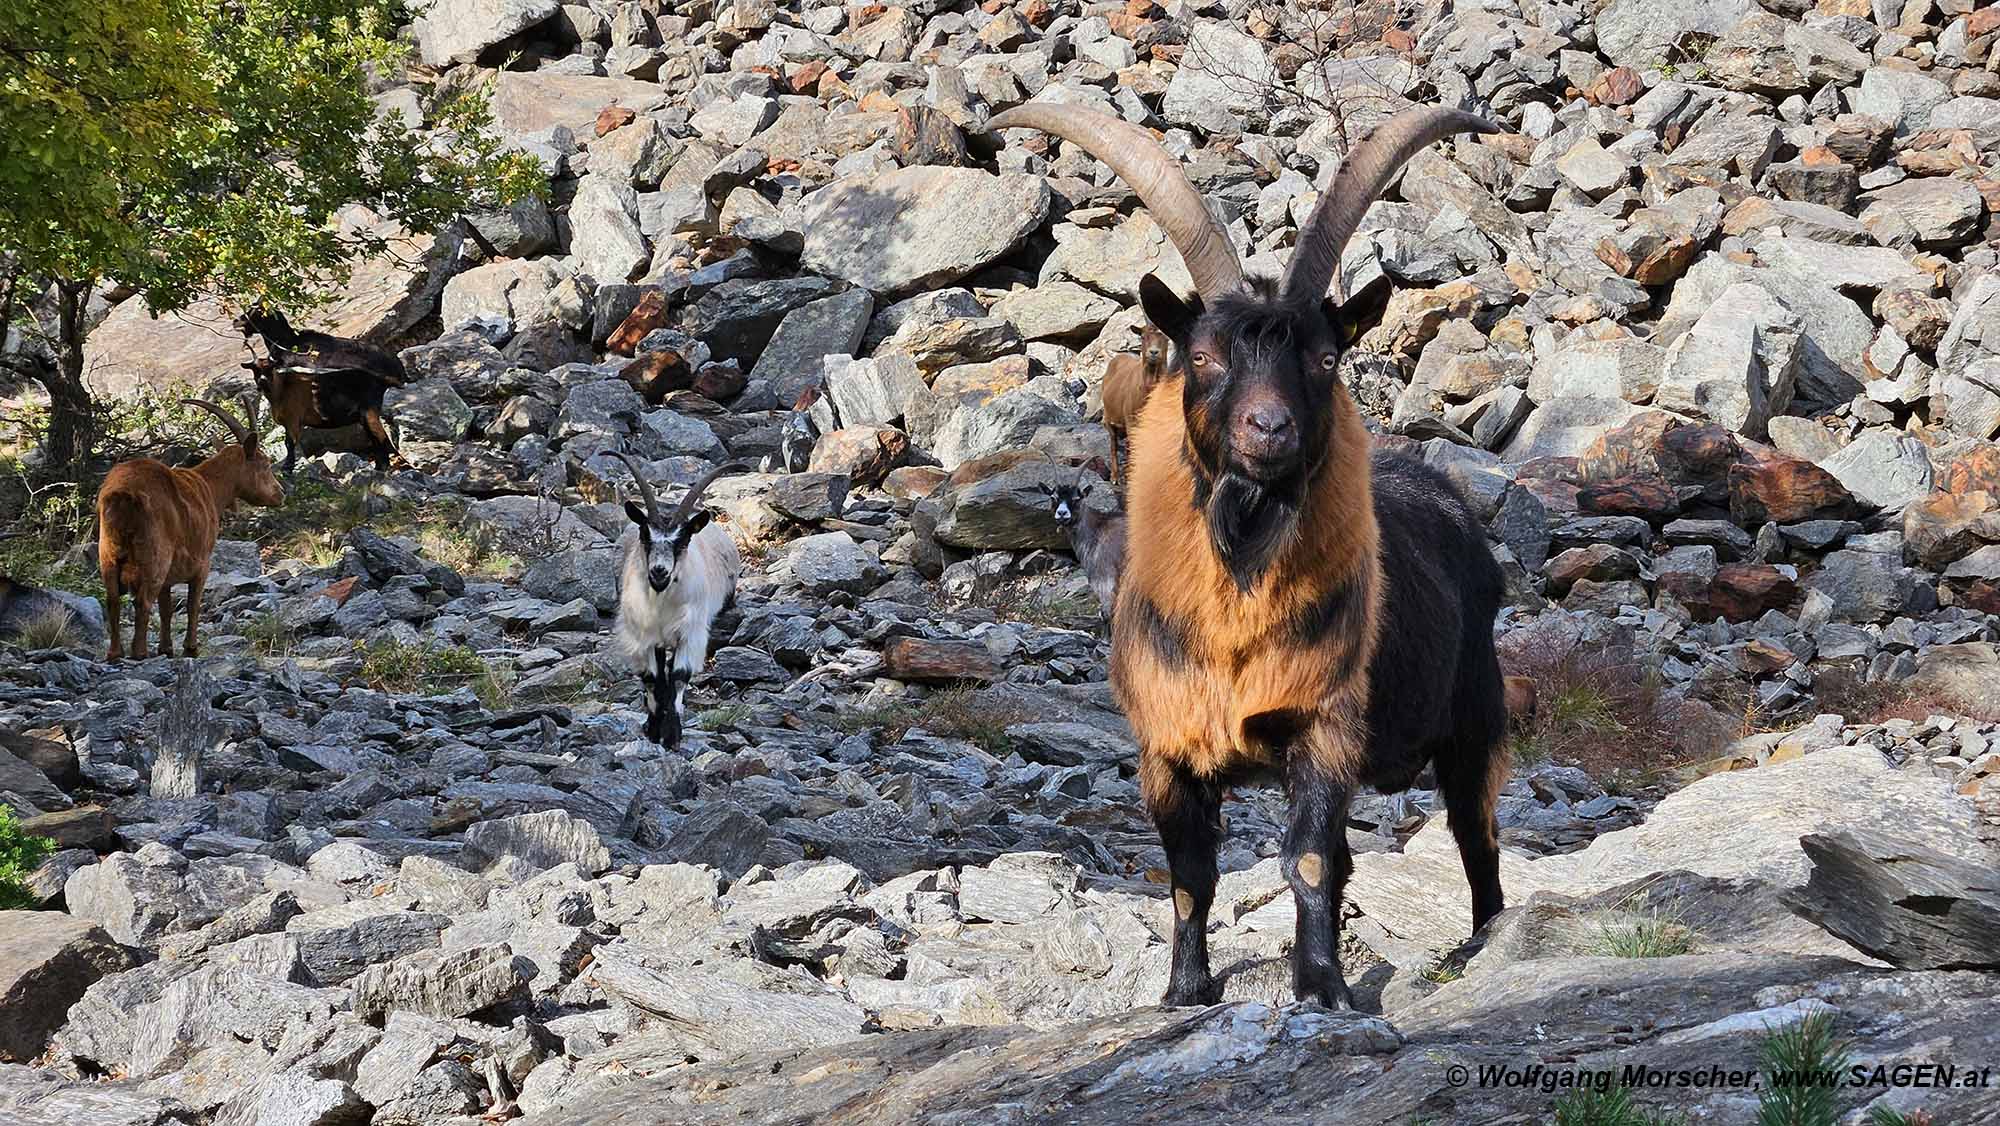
[696, 522]
[1166, 310]
[1083, 492]
[1361, 312]
[635, 512]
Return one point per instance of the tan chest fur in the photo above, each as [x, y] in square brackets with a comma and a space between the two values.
[1237, 654]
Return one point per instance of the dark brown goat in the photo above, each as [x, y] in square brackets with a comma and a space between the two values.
[1292, 605]
[1127, 383]
[156, 526]
[323, 400]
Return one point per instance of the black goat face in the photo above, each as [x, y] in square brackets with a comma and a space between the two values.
[664, 546]
[1257, 397]
[1065, 503]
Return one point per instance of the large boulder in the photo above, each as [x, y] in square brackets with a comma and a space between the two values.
[47, 960]
[919, 228]
[456, 31]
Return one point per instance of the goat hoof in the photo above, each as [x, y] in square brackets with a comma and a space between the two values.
[1336, 997]
[1207, 991]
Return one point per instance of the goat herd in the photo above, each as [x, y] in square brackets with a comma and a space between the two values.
[1284, 600]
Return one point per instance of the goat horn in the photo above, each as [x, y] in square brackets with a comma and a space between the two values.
[236, 429]
[1157, 178]
[694, 493]
[645, 490]
[1362, 176]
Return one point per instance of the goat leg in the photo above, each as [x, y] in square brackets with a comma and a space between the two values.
[142, 620]
[292, 441]
[193, 646]
[113, 602]
[1188, 813]
[167, 620]
[658, 686]
[1470, 781]
[1317, 864]
[380, 437]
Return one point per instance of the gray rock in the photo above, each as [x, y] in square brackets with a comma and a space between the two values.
[429, 409]
[540, 841]
[337, 943]
[737, 318]
[1737, 364]
[134, 902]
[47, 961]
[875, 391]
[1883, 468]
[456, 31]
[435, 983]
[604, 230]
[809, 338]
[831, 561]
[919, 228]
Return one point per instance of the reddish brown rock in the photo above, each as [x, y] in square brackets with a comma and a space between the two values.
[1700, 455]
[805, 79]
[1619, 86]
[925, 660]
[913, 482]
[1942, 527]
[612, 117]
[87, 826]
[865, 453]
[1597, 562]
[720, 382]
[1976, 470]
[649, 314]
[655, 374]
[980, 468]
[1786, 490]
[1739, 592]
[341, 590]
[1648, 255]
[1762, 658]
[1645, 495]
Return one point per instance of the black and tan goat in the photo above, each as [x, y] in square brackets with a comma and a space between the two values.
[1097, 539]
[156, 526]
[679, 573]
[315, 381]
[1292, 603]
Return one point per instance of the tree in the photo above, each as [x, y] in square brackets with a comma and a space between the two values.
[183, 147]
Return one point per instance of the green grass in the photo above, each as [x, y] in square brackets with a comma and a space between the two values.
[316, 517]
[720, 718]
[1442, 971]
[392, 666]
[957, 712]
[269, 636]
[1610, 1107]
[1637, 929]
[20, 854]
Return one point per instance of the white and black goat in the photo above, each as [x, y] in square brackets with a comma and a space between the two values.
[679, 573]
[1097, 539]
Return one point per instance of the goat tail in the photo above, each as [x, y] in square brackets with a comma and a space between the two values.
[123, 524]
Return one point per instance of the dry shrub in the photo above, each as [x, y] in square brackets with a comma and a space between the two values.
[1599, 709]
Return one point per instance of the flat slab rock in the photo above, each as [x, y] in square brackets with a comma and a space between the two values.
[1743, 823]
[1252, 1061]
[47, 960]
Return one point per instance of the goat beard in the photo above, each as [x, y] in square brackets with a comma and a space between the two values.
[1250, 523]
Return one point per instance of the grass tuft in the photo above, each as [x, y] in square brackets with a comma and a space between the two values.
[54, 628]
[1599, 709]
[432, 670]
[957, 712]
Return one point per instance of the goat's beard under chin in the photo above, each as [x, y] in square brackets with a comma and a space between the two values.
[1250, 523]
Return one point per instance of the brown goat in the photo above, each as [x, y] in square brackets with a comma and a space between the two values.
[156, 526]
[1127, 382]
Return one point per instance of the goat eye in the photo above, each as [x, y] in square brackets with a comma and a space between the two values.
[1328, 361]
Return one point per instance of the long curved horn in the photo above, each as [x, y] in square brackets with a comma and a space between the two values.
[252, 431]
[1366, 171]
[1157, 178]
[693, 496]
[236, 429]
[645, 490]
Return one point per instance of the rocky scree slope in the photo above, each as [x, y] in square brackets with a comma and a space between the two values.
[1710, 340]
